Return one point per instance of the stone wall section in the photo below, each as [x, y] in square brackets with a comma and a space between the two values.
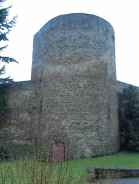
[20, 127]
[19, 106]
[74, 60]
[72, 99]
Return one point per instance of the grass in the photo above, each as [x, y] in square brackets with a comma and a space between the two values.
[70, 172]
[35, 172]
[119, 160]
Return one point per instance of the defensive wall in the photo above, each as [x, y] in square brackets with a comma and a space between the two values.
[71, 103]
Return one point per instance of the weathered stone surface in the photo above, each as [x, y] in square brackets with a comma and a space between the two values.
[129, 116]
[21, 126]
[101, 173]
[75, 55]
[19, 108]
[72, 43]
[112, 176]
[72, 98]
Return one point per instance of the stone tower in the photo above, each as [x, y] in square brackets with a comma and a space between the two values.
[74, 61]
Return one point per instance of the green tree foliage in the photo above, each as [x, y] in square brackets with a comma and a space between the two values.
[129, 118]
[5, 27]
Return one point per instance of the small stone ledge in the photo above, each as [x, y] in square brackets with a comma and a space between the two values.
[105, 173]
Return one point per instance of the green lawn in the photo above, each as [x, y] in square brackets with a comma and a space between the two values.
[119, 160]
[31, 172]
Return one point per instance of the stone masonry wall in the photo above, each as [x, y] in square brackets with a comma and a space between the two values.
[20, 128]
[74, 61]
[19, 108]
[72, 98]
[128, 116]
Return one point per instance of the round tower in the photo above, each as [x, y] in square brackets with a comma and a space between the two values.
[74, 60]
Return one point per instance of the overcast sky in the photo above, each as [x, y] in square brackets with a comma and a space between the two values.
[122, 14]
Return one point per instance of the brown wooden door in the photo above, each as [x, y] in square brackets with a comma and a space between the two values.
[58, 152]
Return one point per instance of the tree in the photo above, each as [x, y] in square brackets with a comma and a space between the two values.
[5, 27]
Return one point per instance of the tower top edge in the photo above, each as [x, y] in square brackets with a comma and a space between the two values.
[75, 20]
